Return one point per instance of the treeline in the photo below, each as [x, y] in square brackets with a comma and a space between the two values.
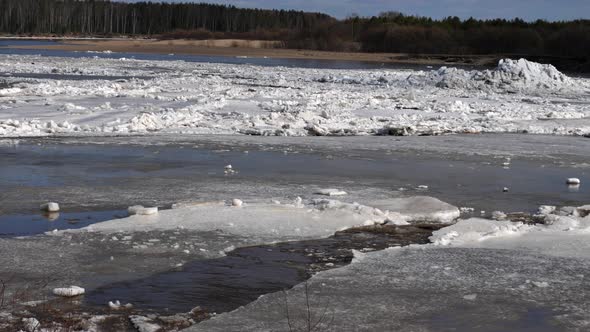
[395, 32]
[105, 17]
[389, 32]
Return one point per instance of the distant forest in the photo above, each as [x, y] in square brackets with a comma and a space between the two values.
[388, 32]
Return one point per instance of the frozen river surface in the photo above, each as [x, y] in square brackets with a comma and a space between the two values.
[101, 132]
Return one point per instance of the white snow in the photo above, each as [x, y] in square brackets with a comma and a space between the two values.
[202, 98]
[69, 291]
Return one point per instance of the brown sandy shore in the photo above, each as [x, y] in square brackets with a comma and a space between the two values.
[254, 48]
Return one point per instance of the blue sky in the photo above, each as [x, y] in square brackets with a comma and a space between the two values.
[526, 9]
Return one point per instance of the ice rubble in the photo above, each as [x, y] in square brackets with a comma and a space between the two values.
[189, 98]
[521, 75]
[565, 232]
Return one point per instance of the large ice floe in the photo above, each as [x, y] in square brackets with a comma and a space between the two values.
[485, 274]
[274, 221]
[92, 96]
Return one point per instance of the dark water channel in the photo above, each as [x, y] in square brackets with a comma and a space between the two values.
[224, 284]
[24, 225]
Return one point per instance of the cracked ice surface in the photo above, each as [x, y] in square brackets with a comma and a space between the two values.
[125, 97]
[478, 274]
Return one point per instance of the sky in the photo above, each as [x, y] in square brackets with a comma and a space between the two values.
[529, 10]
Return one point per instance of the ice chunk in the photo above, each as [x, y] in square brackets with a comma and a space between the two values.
[583, 211]
[573, 181]
[229, 170]
[140, 210]
[330, 192]
[116, 305]
[31, 324]
[499, 215]
[419, 208]
[467, 209]
[236, 202]
[69, 291]
[474, 230]
[50, 207]
[144, 324]
[546, 209]
[540, 284]
[298, 202]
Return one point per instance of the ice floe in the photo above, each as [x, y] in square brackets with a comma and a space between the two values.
[303, 219]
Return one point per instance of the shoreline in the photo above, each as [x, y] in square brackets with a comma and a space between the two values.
[268, 49]
[249, 48]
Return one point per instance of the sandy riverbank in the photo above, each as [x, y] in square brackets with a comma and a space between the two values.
[253, 48]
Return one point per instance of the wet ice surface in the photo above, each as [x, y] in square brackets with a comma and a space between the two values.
[107, 177]
[409, 290]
